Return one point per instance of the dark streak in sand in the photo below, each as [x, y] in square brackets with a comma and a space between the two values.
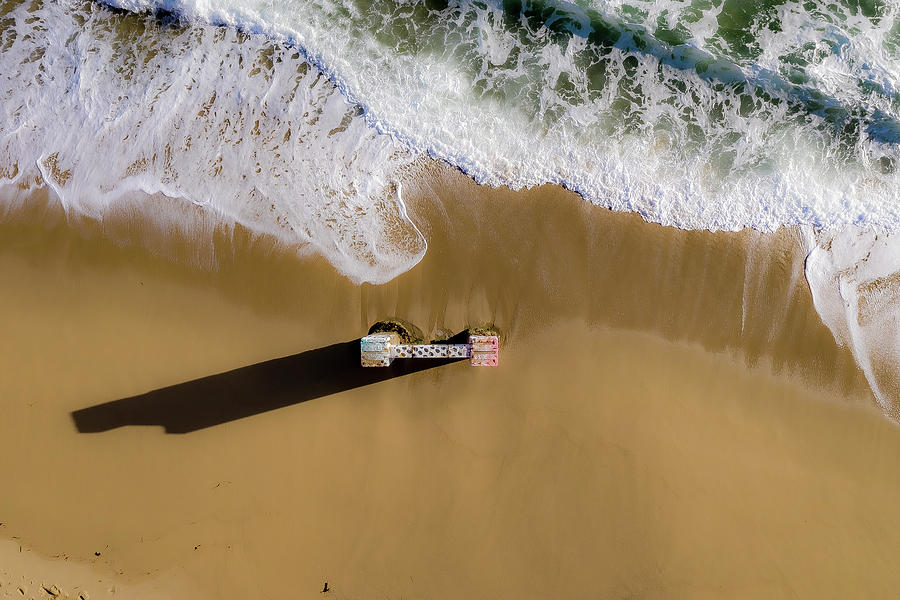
[247, 391]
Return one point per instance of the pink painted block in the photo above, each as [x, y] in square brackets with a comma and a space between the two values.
[485, 350]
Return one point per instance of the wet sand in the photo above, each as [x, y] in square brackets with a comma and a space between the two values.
[670, 417]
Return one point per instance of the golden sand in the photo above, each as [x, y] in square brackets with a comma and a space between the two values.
[670, 417]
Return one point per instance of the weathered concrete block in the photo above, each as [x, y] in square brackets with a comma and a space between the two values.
[403, 351]
[375, 359]
[457, 351]
[485, 350]
[429, 351]
[376, 350]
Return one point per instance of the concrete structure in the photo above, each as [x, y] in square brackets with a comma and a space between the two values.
[380, 350]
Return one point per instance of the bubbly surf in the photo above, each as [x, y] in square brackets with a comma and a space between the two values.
[98, 106]
[719, 118]
[300, 119]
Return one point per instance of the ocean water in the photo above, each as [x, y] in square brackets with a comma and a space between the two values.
[302, 118]
[699, 115]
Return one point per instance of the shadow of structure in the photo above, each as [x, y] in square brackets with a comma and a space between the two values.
[247, 391]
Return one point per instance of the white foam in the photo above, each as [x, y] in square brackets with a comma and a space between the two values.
[854, 276]
[510, 107]
[236, 124]
[442, 91]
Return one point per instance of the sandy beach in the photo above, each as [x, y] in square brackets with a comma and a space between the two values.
[670, 417]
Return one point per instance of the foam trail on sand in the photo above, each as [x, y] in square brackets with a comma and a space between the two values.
[854, 276]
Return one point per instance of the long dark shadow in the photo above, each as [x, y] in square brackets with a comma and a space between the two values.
[247, 391]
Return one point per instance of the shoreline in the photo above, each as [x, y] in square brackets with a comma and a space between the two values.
[450, 208]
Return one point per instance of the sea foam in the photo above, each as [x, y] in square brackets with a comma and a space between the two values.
[655, 108]
[854, 275]
[692, 129]
[97, 107]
